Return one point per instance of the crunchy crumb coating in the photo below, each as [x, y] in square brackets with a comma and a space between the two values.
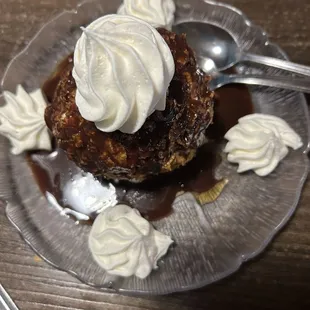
[167, 140]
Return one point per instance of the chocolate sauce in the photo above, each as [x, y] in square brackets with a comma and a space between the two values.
[232, 103]
[154, 198]
[50, 85]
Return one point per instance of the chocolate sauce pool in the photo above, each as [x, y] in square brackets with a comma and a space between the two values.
[154, 198]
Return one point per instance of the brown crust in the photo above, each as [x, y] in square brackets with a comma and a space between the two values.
[166, 141]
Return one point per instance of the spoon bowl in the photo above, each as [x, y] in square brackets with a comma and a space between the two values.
[210, 42]
[213, 42]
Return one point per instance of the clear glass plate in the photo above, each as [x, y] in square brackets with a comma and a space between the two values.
[210, 242]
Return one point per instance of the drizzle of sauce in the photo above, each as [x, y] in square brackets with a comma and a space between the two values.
[50, 85]
[232, 102]
[154, 198]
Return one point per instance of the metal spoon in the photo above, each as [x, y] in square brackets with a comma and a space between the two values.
[6, 303]
[219, 79]
[216, 43]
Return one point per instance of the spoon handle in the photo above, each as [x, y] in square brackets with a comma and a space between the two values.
[6, 302]
[277, 63]
[296, 84]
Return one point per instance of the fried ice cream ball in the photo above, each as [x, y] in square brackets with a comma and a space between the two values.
[168, 139]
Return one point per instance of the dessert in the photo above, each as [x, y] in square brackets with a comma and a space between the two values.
[259, 142]
[122, 140]
[125, 244]
[22, 121]
[159, 13]
[133, 106]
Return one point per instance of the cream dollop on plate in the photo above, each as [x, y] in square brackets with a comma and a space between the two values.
[122, 68]
[125, 244]
[159, 13]
[22, 121]
[259, 142]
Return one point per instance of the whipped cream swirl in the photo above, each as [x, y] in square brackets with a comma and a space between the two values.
[125, 244]
[159, 13]
[22, 121]
[122, 68]
[259, 142]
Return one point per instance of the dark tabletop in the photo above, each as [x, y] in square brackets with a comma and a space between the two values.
[277, 279]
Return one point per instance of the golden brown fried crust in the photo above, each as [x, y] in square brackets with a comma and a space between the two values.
[166, 141]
